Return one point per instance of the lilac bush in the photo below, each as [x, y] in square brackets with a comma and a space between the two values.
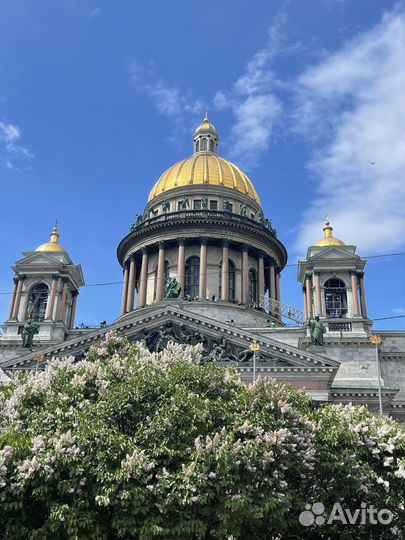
[137, 445]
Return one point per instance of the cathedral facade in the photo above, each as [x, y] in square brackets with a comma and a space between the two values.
[203, 264]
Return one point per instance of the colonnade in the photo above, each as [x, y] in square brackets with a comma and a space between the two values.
[313, 305]
[59, 296]
[132, 281]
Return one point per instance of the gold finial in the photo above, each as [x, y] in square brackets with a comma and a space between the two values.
[327, 230]
[55, 234]
[206, 117]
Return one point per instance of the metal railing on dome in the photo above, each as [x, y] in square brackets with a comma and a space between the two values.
[204, 214]
[278, 309]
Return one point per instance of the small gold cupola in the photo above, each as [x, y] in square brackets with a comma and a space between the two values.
[206, 138]
[53, 244]
[329, 239]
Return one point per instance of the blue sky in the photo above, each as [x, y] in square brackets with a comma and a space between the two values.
[98, 98]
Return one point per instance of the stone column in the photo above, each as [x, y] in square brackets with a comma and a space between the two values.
[62, 305]
[51, 298]
[17, 300]
[13, 298]
[202, 293]
[58, 296]
[355, 294]
[261, 277]
[143, 282]
[124, 290]
[272, 282]
[245, 275]
[362, 295]
[318, 296]
[160, 276]
[75, 294]
[305, 303]
[131, 284]
[278, 294]
[181, 265]
[308, 287]
[225, 271]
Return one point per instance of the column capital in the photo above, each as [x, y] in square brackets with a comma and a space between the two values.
[21, 277]
[352, 272]
[225, 243]
[161, 244]
[181, 241]
[145, 250]
[360, 275]
[245, 248]
[261, 254]
[308, 275]
[317, 272]
[203, 240]
[55, 276]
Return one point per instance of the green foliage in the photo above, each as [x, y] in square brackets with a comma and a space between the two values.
[131, 445]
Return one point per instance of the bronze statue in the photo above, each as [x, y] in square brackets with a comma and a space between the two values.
[317, 330]
[165, 207]
[172, 288]
[184, 203]
[30, 329]
[204, 203]
[243, 210]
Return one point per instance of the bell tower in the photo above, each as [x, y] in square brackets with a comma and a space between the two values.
[46, 287]
[332, 278]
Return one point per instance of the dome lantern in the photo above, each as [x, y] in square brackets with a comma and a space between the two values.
[53, 244]
[206, 137]
[329, 239]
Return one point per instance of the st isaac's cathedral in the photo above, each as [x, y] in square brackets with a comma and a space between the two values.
[204, 265]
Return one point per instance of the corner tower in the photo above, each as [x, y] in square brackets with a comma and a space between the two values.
[204, 225]
[46, 287]
[332, 278]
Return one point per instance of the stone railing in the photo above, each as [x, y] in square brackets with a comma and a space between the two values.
[202, 214]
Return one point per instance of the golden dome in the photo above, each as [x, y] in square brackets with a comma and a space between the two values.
[329, 239]
[53, 245]
[204, 168]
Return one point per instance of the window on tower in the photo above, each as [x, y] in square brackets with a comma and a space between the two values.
[231, 280]
[211, 145]
[37, 302]
[213, 205]
[335, 298]
[197, 204]
[204, 144]
[192, 281]
[252, 287]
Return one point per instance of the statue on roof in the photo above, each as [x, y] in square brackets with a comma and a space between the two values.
[30, 329]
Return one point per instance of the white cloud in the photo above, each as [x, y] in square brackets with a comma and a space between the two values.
[10, 151]
[352, 105]
[252, 98]
[169, 100]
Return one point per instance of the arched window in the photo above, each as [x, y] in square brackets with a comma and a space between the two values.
[211, 145]
[37, 301]
[252, 287]
[231, 280]
[197, 146]
[204, 144]
[335, 298]
[192, 277]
